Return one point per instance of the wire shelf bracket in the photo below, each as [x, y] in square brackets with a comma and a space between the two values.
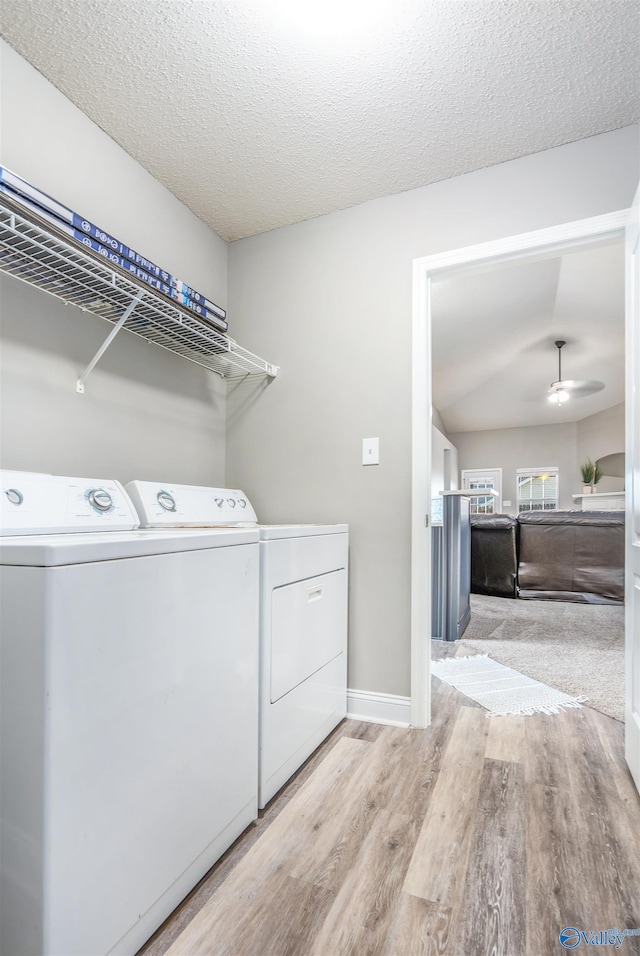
[107, 342]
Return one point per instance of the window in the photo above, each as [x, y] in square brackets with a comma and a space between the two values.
[483, 505]
[476, 479]
[537, 489]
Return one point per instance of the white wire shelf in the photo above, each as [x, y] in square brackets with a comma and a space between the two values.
[32, 251]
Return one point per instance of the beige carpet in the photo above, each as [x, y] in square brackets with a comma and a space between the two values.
[576, 648]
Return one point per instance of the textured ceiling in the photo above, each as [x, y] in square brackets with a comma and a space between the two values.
[255, 122]
[493, 339]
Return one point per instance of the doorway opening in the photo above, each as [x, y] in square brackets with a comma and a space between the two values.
[529, 246]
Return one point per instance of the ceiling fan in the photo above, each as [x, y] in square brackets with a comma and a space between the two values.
[562, 390]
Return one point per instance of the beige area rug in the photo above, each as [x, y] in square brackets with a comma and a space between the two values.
[576, 648]
[502, 691]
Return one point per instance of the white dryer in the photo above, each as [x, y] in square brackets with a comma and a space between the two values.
[303, 645]
[129, 718]
[303, 619]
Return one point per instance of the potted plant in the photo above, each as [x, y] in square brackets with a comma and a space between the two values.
[587, 472]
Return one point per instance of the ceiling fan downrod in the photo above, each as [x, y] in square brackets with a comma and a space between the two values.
[559, 345]
[558, 393]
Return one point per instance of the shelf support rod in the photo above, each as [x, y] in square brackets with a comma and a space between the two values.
[107, 342]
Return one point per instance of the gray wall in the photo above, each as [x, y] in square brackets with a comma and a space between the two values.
[146, 413]
[330, 301]
[436, 420]
[543, 446]
[441, 447]
[565, 446]
[600, 435]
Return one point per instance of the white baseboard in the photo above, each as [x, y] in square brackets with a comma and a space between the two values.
[378, 708]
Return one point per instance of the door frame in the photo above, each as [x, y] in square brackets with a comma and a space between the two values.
[541, 243]
[632, 488]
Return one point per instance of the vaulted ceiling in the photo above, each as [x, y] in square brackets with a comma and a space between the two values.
[493, 338]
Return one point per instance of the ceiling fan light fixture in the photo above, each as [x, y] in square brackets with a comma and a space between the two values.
[562, 390]
[559, 395]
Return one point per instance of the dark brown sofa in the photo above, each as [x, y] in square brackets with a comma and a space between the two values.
[572, 556]
[494, 555]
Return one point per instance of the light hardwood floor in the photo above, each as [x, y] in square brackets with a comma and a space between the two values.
[475, 837]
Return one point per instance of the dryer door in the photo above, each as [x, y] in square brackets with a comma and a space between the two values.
[308, 629]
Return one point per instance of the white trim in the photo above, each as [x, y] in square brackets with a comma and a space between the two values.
[378, 708]
[421, 500]
[556, 239]
[542, 242]
[538, 470]
[632, 485]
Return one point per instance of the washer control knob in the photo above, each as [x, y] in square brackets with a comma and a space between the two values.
[242, 502]
[231, 502]
[100, 499]
[166, 501]
[15, 497]
[219, 502]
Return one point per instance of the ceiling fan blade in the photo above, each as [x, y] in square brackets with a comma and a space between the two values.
[578, 388]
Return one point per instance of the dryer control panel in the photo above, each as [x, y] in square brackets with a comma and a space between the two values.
[190, 506]
[34, 503]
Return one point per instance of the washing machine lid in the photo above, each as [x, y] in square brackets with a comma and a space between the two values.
[58, 550]
[273, 532]
[168, 505]
[32, 503]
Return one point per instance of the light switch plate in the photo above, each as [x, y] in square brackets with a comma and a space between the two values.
[370, 451]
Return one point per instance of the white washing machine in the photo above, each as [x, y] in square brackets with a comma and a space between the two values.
[129, 718]
[303, 619]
